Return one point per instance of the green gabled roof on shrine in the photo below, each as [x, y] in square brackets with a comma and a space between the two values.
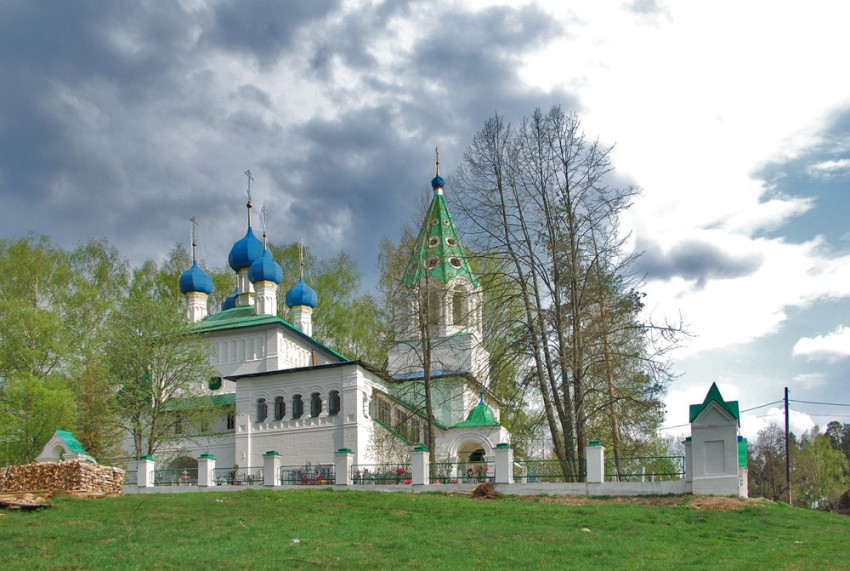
[73, 444]
[438, 253]
[714, 396]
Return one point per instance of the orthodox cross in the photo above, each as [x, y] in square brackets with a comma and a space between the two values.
[437, 151]
[250, 179]
[301, 257]
[194, 236]
[264, 214]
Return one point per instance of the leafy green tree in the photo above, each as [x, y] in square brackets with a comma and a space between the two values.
[32, 409]
[821, 472]
[153, 358]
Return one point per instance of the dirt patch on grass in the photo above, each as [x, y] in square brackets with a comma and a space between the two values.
[589, 501]
[707, 503]
[713, 504]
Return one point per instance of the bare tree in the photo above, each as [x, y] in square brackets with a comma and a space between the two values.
[538, 198]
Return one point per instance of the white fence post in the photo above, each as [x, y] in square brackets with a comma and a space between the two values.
[206, 468]
[145, 467]
[342, 466]
[419, 465]
[271, 468]
[504, 464]
[595, 462]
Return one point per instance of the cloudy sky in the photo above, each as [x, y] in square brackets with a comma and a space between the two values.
[122, 119]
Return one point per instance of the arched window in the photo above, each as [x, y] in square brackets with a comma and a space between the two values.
[434, 307]
[315, 404]
[297, 407]
[262, 410]
[459, 309]
[279, 408]
[214, 383]
[334, 403]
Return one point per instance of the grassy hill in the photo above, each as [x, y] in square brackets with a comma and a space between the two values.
[264, 529]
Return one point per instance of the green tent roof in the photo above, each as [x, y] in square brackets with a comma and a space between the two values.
[438, 252]
[481, 415]
[714, 395]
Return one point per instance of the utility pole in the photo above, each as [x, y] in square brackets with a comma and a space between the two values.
[787, 449]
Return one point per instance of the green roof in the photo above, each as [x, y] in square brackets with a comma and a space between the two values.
[481, 415]
[194, 403]
[714, 396]
[73, 444]
[438, 252]
[245, 317]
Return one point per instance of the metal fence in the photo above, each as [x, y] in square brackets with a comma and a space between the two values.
[131, 478]
[462, 472]
[643, 468]
[184, 477]
[545, 471]
[238, 476]
[309, 475]
[386, 474]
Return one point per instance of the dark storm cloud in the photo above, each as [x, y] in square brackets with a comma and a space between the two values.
[694, 261]
[117, 121]
[263, 28]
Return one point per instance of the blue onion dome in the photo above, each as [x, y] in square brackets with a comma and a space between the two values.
[245, 252]
[230, 301]
[265, 269]
[195, 280]
[437, 182]
[301, 294]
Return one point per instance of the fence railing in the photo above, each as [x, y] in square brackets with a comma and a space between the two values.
[385, 474]
[131, 478]
[462, 472]
[248, 476]
[309, 475]
[641, 469]
[185, 477]
[545, 471]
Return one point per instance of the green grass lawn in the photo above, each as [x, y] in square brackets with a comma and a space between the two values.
[257, 529]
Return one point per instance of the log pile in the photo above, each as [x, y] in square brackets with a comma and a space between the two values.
[73, 476]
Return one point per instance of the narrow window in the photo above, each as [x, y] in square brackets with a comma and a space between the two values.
[334, 403]
[459, 310]
[297, 407]
[262, 410]
[315, 404]
[279, 408]
[433, 308]
[231, 421]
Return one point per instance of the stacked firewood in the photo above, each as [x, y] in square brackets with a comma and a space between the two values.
[74, 476]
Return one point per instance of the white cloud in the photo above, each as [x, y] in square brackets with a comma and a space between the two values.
[810, 380]
[829, 168]
[832, 347]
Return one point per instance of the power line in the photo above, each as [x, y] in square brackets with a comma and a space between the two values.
[824, 403]
[762, 405]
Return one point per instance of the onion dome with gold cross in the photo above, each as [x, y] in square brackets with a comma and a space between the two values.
[438, 253]
[302, 295]
[245, 252]
[265, 268]
[195, 280]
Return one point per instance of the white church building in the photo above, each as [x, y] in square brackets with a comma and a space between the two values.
[282, 390]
